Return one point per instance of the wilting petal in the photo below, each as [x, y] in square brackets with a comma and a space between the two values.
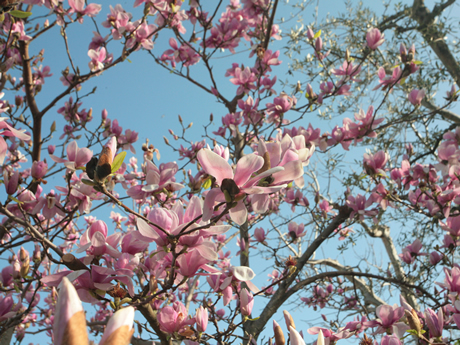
[243, 273]
[69, 321]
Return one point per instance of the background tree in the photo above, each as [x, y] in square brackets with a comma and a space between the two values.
[373, 80]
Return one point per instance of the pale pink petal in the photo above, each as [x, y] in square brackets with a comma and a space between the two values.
[292, 170]
[146, 230]
[239, 213]
[3, 149]
[215, 165]
[208, 207]
[246, 166]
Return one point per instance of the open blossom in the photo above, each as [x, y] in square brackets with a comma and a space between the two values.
[142, 36]
[416, 96]
[244, 79]
[410, 252]
[78, 6]
[173, 319]
[98, 58]
[76, 157]
[374, 38]
[234, 185]
[374, 164]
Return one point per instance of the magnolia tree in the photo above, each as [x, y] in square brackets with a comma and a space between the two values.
[157, 252]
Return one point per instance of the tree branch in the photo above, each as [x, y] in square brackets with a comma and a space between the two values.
[283, 292]
[434, 36]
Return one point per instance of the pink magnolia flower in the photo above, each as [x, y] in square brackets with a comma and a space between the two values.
[390, 340]
[296, 231]
[411, 251]
[374, 38]
[117, 20]
[388, 81]
[374, 164]
[201, 319]
[359, 205]
[434, 322]
[76, 157]
[78, 6]
[6, 307]
[234, 185]
[416, 96]
[388, 320]
[98, 58]
[347, 70]
[39, 169]
[8, 131]
[173, 319]
[142, 36]
[49, 206]
[245, 79]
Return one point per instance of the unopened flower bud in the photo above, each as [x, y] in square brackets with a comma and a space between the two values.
[288, 319]
[279, 336]
[104, 114]
[18, 100]
[310, 34]
[347, 55]
[180, 118]
[51, 149]
[413, 320]
[37, 255]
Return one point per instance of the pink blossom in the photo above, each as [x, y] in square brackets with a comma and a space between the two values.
[374, 38]
[296, 231]
[410, 252]
[374, 164]
[77, 6]
[234, 184]
[76, 157]
[142, 36]
[245, 79]
[98, 58]
[416, 96]
[173, 319]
